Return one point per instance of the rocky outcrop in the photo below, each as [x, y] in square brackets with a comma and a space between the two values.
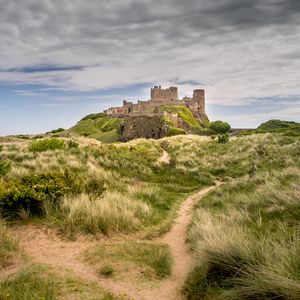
[143, 127]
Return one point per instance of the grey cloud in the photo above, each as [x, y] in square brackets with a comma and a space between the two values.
[236, 48]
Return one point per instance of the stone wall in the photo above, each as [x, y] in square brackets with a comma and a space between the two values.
[143, 127]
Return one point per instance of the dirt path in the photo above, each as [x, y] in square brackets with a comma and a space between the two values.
[44, 246]
[175, 238]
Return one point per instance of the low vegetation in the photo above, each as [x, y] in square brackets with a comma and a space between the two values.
[46, 144]
[245, 237]
[98, 126]
[185, 114]
[8, 246]
[152, 260]
[43, 283]
[276, 126]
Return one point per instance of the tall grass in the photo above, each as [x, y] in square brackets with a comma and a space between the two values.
[246, 240]
[111, 212]
[8, 245]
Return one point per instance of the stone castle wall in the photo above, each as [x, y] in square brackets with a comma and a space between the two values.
[160, 97]
[157, 93]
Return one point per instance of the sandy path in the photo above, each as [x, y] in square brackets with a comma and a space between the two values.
[169, 288]
[44, 246]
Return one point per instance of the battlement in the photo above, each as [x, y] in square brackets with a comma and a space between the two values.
[157, 93]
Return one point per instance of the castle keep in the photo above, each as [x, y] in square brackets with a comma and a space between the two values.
[160, 97]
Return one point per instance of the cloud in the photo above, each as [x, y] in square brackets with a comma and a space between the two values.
[29, 93]
[236, 49]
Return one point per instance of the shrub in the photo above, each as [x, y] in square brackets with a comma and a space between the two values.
[46, 144]
[220, 127]
[30, 192]
[72, 145]
[222, 138]
[4, 167]
[1, 148]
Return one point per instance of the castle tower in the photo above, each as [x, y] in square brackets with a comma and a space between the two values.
[199, 96]
[157, 93]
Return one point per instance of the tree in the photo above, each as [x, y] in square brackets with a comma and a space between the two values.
[220, 127]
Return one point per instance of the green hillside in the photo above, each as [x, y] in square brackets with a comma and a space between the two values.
[186, 115]
[98, 126]
[107, 129]
[276, 126]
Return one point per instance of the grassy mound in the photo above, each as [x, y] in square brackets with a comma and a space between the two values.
[98, 126]
[185, 114]
[272, 125]
[286, 128]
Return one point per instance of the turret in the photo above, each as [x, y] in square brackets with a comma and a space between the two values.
[199, 96]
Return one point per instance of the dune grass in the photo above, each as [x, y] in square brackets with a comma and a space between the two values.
[43, 283]
[245, 238]
[245, 235]
[102, 188]
[153, 260]
[111, 212]
[8, 246]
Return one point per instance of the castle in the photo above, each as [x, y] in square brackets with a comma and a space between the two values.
[160, 97]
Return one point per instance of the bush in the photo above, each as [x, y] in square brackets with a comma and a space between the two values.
[30, 192]
[46, 144]
[72, 145]
[220, 127]
[222, 138]
[1, 148]
[4, 167]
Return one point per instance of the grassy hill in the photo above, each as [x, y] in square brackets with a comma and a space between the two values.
[98, 126]
[117, 198]
[276, 126]
[107, 129]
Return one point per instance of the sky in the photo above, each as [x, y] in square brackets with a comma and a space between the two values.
[63, 59]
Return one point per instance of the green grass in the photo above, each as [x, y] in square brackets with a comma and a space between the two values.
[245, 238]
[43, 283]
[46, 144]
[184, 113]
[154, 260]
[285, 128]
[8, 246]
[99, 126]
[244, 235]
